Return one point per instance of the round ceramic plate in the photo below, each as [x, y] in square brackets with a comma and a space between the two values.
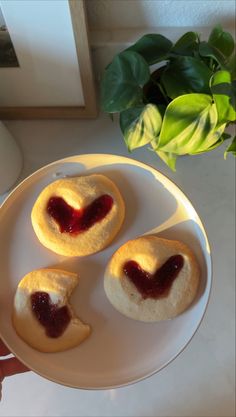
[120, 350]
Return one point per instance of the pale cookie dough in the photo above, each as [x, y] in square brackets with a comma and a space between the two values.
[78, 192]
[151, 252]
[59, 285]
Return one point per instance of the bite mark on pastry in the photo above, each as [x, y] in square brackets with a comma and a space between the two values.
[42, 315]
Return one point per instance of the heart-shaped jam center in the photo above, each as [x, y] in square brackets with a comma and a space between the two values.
[75, 221]
[157, 285]
[55, 319]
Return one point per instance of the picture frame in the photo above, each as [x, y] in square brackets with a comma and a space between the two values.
[50, 82]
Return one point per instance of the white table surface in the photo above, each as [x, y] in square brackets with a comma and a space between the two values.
[199, 382]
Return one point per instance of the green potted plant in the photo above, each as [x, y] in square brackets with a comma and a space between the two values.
[183, 106]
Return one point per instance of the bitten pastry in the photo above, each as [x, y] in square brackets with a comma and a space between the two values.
[78, 216]
[151, 279]
[42, 315]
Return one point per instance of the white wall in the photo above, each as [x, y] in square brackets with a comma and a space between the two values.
[2, 21]
[115, 24]
[116, 14]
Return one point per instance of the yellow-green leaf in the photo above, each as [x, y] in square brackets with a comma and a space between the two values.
[224, 94]
[231, 148]
[188, 121]
[140, 125]
[168, 158]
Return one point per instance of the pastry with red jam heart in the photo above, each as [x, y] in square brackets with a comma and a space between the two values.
[152, 279]
[42, 315]
[78, 216]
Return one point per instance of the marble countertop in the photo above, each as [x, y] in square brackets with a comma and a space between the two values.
[200, 381]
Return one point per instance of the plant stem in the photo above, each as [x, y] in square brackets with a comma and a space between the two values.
[211, 64]
[163, 92]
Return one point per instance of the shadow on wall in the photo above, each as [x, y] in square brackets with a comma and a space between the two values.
[115, 25]
[116, 14]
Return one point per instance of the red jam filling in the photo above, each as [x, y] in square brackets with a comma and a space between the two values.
[54, 319]
[157, 285]
[75, 221]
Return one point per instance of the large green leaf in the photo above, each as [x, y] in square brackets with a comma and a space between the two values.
[224, 94]
[153, 48]
[140, 125]
[186, 45]
[214, 139]
[206, 50]
[188, 122]
[232, 66]
[186, 75]
[221, 40]
[231, 148]
[122, 82]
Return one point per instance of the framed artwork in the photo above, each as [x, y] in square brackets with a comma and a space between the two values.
[45, 63]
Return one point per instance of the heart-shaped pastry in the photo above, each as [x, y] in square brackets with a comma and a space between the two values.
[152, 279]
[78, 216]
[42, 315]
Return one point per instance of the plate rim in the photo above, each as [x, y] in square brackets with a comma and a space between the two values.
[210, 273]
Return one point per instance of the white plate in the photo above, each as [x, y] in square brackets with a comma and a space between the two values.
[120, 350]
